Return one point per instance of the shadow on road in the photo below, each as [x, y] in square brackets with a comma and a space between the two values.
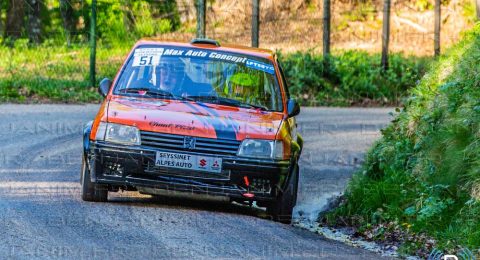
[140, 200]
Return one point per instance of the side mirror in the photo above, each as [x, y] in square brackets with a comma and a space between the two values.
[104, 86]
[293, 108]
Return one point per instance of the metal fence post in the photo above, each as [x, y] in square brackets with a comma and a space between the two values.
[201, 13]
[255, 22]
[93, 42]
[326, 35]
[385, 33]
[477, 8]
[436, 37]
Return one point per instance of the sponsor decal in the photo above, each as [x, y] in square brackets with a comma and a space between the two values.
[173, 52]
[227, 57]
[215, 165]
[184, 127]
[158, 124]
[170, 125]
[188, 161]
[147, 56]
[260, 66]
[193, 53]
[151, 57]
[203, 163]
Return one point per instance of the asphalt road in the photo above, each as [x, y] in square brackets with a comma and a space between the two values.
[42, 215]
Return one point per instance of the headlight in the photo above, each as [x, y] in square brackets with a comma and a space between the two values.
[261, 149]
[116, 133]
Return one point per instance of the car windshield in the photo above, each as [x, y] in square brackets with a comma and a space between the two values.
[201, 76]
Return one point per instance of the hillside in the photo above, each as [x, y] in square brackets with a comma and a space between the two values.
[423, 176]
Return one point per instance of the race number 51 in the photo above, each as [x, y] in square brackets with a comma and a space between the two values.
[147, 56]
[146, 60]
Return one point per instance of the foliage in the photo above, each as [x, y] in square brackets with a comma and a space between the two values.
[423, 5]
[363, 11]
[353, 77]
[425, 170]
[469, 11]
[116, 20]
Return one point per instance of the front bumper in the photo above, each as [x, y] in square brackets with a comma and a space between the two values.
[133, 167]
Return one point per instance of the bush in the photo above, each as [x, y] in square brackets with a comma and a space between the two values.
[425, 170]
[142, 18]
[353, 78]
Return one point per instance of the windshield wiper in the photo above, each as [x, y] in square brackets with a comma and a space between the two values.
[148, 91]
[154, 93]
[227, 101]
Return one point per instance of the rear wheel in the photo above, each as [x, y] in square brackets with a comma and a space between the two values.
[90, 190]
[281, 210]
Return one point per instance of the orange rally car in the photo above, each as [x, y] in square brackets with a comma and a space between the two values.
[196, 119]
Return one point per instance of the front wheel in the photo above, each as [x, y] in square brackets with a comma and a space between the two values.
[281, 210]
[90, 190]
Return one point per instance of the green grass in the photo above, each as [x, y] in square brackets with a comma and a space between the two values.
[54, 74]
[424, 173]
[49, 73]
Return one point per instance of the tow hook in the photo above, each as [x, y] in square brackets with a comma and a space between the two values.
[247, 194]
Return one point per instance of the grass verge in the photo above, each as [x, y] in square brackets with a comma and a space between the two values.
[54, 74]
[420, 184]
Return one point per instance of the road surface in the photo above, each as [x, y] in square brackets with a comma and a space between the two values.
[42, 215]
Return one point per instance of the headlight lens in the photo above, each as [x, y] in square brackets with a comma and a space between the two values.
[116, 133]
[261, 149]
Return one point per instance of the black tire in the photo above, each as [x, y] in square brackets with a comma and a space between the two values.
[91, 191]
[281, 210]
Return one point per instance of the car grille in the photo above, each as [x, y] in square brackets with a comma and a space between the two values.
[176, 143]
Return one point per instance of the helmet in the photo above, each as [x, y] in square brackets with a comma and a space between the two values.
[242, 84]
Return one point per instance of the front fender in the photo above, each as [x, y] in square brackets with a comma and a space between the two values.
[87, 129]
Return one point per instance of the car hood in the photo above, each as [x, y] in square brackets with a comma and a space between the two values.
[194, 118]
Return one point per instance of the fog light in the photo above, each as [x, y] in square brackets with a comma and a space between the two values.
[111, 168]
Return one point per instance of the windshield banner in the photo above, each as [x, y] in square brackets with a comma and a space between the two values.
[152, 56]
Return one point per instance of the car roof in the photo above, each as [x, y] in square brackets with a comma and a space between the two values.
[258, 52]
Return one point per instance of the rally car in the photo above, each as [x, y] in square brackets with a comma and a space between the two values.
[196, 119]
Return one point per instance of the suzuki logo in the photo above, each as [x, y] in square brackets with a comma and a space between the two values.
[189, 142]
[203, 162]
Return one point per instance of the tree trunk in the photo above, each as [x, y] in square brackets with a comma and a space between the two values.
[385, 33]
[255, 22]
[201, 16]
[15, 15]
[93, 42]
[477, 7]
[2, 26]
[66, 10]
[436, 38]
[326, 35]
[34, 29]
